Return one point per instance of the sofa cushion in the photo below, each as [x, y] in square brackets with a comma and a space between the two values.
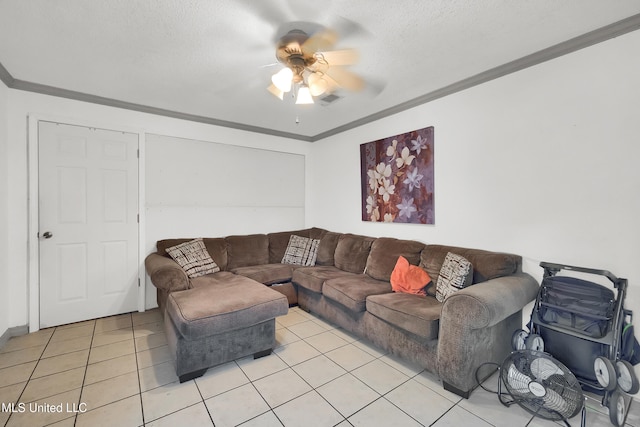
[409, 278]
[327, 248]
[317, 233]
[266, 273]
[217, 248]
[415, 314]
[212, 279]
[352, 252]
[193, 257]
[301, 251]
[456, 273]
[312, 278]
[163, 244]
[243, 251]
[234, 304]
[352, 291]
[385, 252]
[487, 265]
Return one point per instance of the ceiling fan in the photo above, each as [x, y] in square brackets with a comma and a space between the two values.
[311, 68]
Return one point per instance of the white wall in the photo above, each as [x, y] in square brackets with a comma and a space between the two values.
[21, 104]
[4, 226]
[200, 189]
[210, 189]
[543, 163]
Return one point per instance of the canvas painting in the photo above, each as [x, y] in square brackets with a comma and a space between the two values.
[397, 178]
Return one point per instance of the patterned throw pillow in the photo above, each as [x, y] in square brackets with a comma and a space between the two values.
[456, 273]
[301, 251]
[193, 258]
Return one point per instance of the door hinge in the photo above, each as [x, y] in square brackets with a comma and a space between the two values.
[138, 153]
[138, 282]
[138, 218]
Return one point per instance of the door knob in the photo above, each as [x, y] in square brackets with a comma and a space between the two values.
[47, 235]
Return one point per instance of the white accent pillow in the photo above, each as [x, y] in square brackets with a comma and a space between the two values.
[193, 257]
[301, 251]
[456, 273]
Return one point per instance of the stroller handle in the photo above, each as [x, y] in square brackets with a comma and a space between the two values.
[550, 269]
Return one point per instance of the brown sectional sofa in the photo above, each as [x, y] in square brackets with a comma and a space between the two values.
[349, 286]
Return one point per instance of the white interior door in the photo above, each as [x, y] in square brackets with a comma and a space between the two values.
[88, 222]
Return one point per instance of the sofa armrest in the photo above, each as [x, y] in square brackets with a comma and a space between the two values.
[165, 273]
[485, 304]
[476, 325]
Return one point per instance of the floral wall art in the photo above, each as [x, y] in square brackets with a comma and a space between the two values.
[397, 178]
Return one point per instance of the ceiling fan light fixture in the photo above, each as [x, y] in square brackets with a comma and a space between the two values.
[276, 92]
[304, 95]
[317, 85]
[282, 79]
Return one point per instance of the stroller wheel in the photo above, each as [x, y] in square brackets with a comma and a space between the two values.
[534, 342]
[627, 379]
[617, 409]
[605, 373]
[518, 339]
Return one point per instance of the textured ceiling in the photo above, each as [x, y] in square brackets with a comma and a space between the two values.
[209, 60]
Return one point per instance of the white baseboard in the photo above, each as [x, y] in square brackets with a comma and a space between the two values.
[13, 332]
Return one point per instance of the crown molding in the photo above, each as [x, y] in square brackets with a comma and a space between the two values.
[599, 35]
[5, 77]
[110, 102]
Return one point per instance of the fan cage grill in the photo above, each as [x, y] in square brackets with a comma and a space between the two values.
[558, 395]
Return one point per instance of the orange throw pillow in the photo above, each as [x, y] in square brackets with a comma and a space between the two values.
[409, 278]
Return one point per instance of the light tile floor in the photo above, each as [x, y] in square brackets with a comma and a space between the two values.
[118, 371]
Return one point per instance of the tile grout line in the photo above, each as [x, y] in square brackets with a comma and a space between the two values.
[31, 375]
[135, 355]
[271, 409]
[202, 401]
[315, 388]
[380, 396]
[258, 391]
[140, 384]
[443, 414]
[312, 387]
[86, 368]
[375, 358]
[409, 373]
[97, 382]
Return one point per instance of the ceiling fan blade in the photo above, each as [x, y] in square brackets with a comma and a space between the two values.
[346, 78]
[319, 42]
[332, 85]
[341, 57]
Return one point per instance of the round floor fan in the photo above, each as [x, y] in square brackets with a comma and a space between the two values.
[541, 385]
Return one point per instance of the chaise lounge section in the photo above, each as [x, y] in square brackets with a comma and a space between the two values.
[211, 325]
[349, 285]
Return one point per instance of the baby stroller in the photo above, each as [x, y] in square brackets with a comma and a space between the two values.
[581, 324]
